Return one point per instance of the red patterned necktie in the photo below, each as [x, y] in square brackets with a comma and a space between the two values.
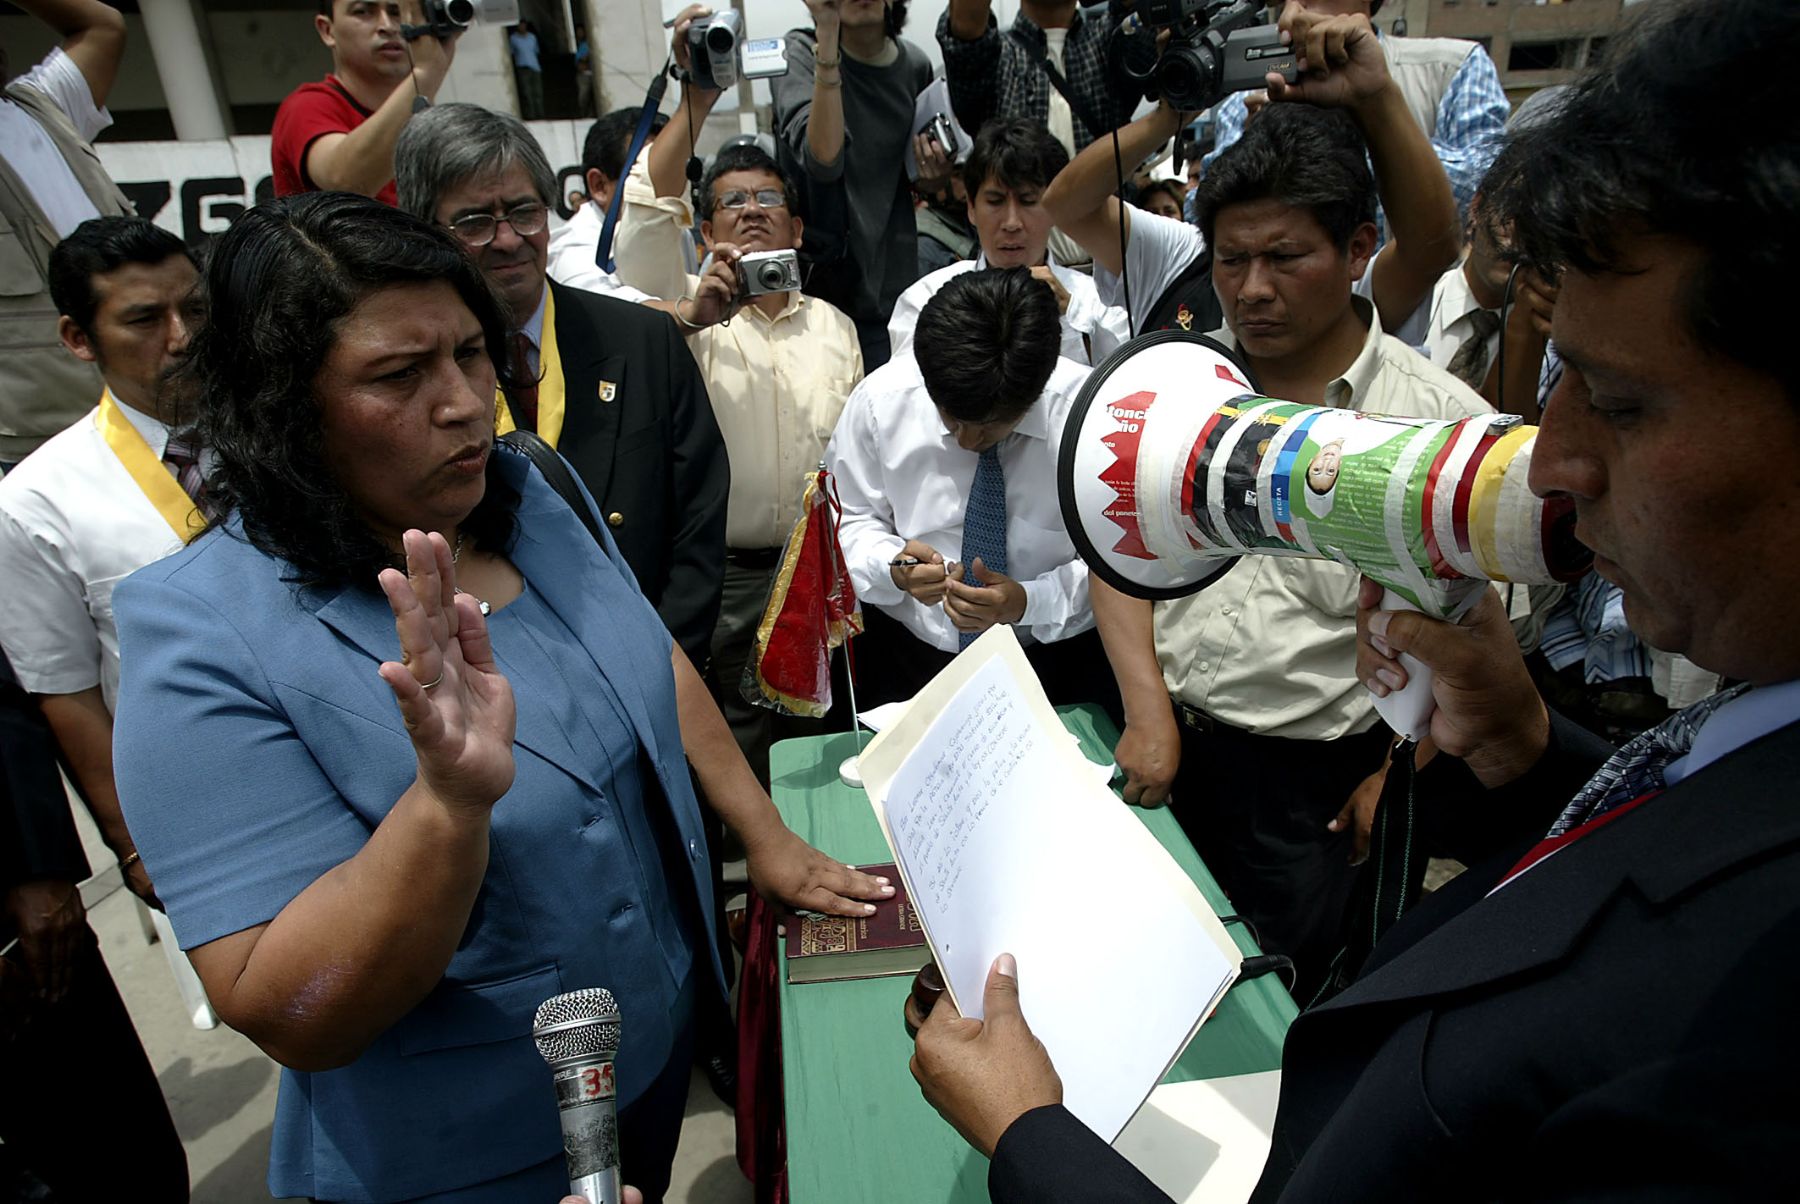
[523, 396]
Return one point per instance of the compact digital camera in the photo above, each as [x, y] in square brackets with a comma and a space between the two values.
[718, 54]
[941, 132]
[1215, 48]
[761, 272]
[447, 18]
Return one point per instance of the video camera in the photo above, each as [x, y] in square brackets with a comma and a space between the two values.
[1215, 48]
[718, 53]
[447, 18]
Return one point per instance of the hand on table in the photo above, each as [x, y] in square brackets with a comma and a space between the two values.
[924, 581]
[457, 705]
[52, 927]
[997, 599]
[786, 870]
[1149, 751]
[981, 1076]
[1488, 711]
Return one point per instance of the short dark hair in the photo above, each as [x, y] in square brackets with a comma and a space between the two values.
[1645, 143]
[98, 246]
[987, 342]
[1301, 155]
[610, 137]
[894, 18]
[742, 157]
[1022, 154]
[1176, 191]
[279, 283]
[327, 8]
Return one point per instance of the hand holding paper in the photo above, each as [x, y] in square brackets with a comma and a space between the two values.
[981, 1075]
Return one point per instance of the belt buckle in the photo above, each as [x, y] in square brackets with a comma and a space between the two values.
[1195, 718]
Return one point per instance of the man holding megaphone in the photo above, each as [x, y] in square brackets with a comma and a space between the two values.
[1240, 702]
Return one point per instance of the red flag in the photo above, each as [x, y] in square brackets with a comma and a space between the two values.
[812, 609]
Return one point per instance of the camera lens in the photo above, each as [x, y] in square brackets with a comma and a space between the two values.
[459, 12]
[1186, 77]
[720, 40]
[770, 276]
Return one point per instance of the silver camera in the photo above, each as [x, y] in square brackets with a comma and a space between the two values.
[447, 18]
[761, 272]
[718, 52]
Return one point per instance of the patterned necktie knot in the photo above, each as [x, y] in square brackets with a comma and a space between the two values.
[1470, 363]
[1637, 768]
[182, 455]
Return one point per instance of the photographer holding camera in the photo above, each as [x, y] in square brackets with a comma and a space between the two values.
[339, 134]
[778, 371]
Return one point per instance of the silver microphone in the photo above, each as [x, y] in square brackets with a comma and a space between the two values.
[578, 1034]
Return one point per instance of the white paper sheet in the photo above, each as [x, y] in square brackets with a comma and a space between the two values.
[1006, 844]
[1205, 1142]
[882, 717]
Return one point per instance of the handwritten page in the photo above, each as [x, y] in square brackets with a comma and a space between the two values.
[1007, 843]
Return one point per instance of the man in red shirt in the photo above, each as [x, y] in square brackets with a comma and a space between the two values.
[340, 133]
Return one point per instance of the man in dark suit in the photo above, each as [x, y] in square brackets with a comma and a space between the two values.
[617, 392]
[63, 1028]
[1599, 1008]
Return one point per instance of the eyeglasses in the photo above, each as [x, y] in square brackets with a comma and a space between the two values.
[478, 229]
[766, 198]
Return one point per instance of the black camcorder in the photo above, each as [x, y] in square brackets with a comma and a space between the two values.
[447, 18]
[1215, 48]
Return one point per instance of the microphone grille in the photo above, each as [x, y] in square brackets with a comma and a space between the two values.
[578, 1024]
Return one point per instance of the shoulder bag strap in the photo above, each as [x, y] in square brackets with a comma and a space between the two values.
[555, 470]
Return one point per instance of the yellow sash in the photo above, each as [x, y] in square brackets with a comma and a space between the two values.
[148, 470]
[550, 387]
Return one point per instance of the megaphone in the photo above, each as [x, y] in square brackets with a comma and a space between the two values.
[1173, 465]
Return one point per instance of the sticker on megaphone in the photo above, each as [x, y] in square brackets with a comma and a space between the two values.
[1173, 464]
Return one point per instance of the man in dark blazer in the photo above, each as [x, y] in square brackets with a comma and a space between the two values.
[1600, 1007]
[616, 391]
[63, 1027]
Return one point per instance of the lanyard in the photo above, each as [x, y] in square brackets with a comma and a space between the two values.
[148, 470]
[550, 388]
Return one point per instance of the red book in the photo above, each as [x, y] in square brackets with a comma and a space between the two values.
[891, 941]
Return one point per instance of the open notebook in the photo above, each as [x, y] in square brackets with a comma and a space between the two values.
[1008, 842]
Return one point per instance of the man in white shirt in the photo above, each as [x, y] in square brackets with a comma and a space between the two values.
[74, 520]
[1005, 175]
[105, 497]
[1244, 697]
[51, 182]
[778, 373]
[945, 461]
[574, 247]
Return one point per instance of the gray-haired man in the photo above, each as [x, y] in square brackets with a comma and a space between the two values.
[617, 392]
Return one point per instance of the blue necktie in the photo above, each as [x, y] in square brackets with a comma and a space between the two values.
[984, 525]
[1637, 768]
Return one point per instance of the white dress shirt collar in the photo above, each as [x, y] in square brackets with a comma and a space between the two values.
[1748, 717]
[154, 430]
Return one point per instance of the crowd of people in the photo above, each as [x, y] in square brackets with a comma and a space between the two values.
[385, 577]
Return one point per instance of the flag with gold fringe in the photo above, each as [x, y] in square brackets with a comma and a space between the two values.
[811, 610]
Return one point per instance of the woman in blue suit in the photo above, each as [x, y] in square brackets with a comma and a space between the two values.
[392, 809]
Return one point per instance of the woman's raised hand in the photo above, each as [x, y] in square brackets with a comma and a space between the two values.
[457, 705]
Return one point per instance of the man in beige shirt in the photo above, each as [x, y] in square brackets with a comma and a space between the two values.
[778, 372]
[1269, 733]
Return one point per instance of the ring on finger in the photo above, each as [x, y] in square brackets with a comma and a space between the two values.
[434, 682]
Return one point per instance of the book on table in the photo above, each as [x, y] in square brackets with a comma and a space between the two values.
[822, 948]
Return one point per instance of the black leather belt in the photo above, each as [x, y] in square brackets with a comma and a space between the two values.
[753, 558]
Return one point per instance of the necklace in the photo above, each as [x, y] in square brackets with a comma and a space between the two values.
[455, 556]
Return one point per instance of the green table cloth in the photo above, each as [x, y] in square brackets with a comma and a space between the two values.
[857, 1127]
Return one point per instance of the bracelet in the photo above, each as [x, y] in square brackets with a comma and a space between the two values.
[681, 320]
[831, 66]
[822, 82]
[130, 859]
